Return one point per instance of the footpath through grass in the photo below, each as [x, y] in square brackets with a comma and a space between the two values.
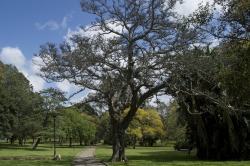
[43, 155]
[161, 156]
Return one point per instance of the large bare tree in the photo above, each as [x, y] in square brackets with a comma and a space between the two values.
[126, 69]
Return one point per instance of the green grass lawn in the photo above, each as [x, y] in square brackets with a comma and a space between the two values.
[43, 155]
[159, 156]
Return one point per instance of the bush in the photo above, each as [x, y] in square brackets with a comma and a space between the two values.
[181, 144]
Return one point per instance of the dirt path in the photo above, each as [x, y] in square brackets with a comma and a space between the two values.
[87, 158]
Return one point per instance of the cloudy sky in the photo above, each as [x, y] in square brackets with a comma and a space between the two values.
[27, 24]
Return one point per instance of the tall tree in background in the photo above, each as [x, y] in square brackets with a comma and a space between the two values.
[212, 91]
[234, 30]
[175, 123]
[217, 122]
[7, 107]
[78, 127]
[104, 129]
[19, 105]
[4, 123]
[52, 100]
[126, 69]
[85, 108]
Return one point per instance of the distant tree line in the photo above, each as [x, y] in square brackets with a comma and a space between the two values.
[25, 114]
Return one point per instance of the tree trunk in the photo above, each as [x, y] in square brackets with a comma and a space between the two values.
[61, 141]
[134, 141]
[70, 142]
[118, 143]
[44, 124]
[81, 144]
[12, 140]
[20, 141]
[36, 143]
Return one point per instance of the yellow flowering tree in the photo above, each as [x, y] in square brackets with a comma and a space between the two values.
[146, 126]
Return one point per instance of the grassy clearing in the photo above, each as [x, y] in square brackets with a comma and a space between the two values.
[159, 156]
[43, 155]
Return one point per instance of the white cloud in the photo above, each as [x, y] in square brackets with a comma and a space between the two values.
[190, 6]
[37, 82]
[54, 25]
[162, 98]
[66, 20]
[66, 86]
[33, 67]
[92, 31]
[14, 56]
[51, 24]
[71, 33]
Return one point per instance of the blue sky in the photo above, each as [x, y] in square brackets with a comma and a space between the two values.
[27, 24]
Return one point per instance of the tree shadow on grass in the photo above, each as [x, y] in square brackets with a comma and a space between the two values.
[27, 147]
[154, 154]
[72, 147]
[163, 156]
[21, 148]
[37, 161]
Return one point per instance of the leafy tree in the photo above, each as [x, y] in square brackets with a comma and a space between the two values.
[146, 125]
[7, 107]
[85, 108]
[94, 123]
[18, 105]
[216, 123]
[234, 74]
[234, 20]
[27, 119]
[196, 91]
[212, 92]
[223, 20]
[52, 100]
[77, 127]
[88, 113]
[104, 129]
[162, 110]
[69, 125]
[175, 123]
[126, 69]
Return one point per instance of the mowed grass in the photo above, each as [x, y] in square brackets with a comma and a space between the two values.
[43, 155]
[161, 156]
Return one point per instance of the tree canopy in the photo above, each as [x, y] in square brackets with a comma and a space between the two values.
[127, 68]
[19, 105]
[77, 127]
[211, 86]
